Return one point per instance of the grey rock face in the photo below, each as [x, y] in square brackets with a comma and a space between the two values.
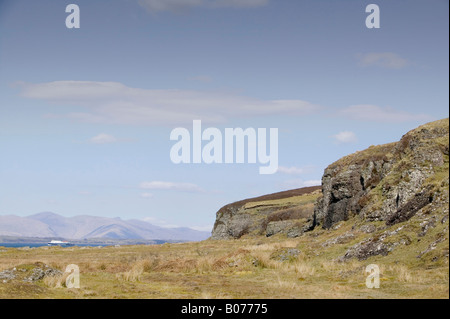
[267, 215]
[277, 227]
[344, 187]
[7, 275]
[387, 182]
[290, 228]
[374, 246]
[390, 183]
[39, 273]
[232, 223]
[29, 273]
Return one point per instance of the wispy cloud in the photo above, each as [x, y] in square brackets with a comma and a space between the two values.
[147, 195]
[299, 183]
[366, 112]
[237, 3]
[345, 137]
[159, 185]
[291, 170]
[154, 6]
[115, 103]
[207, 228]
[387, 60]
[165, 224]
[159, 222]
[315, 182]
[103, 138]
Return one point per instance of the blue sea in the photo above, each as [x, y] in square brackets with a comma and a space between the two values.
[17, 245]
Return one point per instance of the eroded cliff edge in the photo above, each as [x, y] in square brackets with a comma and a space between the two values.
[377, 188]
[391, 182]
[290, 213]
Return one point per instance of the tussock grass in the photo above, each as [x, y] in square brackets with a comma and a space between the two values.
[304, 269]
[56, 281]
[246, 268]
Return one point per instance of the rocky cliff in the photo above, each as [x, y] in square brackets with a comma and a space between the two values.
[290, 213]
[381, 199]
[391, 182]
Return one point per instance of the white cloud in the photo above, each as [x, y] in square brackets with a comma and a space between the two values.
[298, 183]
[238, 3]
[183, 5]
[206, 228]
[158, 185]
[366, 112]
[115, 103]
[103, 138]
[147, 195]
[345, 137]
[159, 222]
[315, 182]
[169, 5]
[383, 59]
[291, 170]
[164, 224]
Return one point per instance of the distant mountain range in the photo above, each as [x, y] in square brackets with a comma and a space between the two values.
[49, 225]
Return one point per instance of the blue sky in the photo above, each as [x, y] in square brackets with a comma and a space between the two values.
[86, 114]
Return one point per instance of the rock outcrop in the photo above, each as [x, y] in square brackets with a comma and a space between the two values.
[29, 272]
[389, 182]
[290, 213]
[390, 198]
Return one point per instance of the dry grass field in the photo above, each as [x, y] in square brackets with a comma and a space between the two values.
[251, 267]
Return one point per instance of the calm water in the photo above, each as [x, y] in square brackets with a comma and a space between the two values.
[15, 245]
